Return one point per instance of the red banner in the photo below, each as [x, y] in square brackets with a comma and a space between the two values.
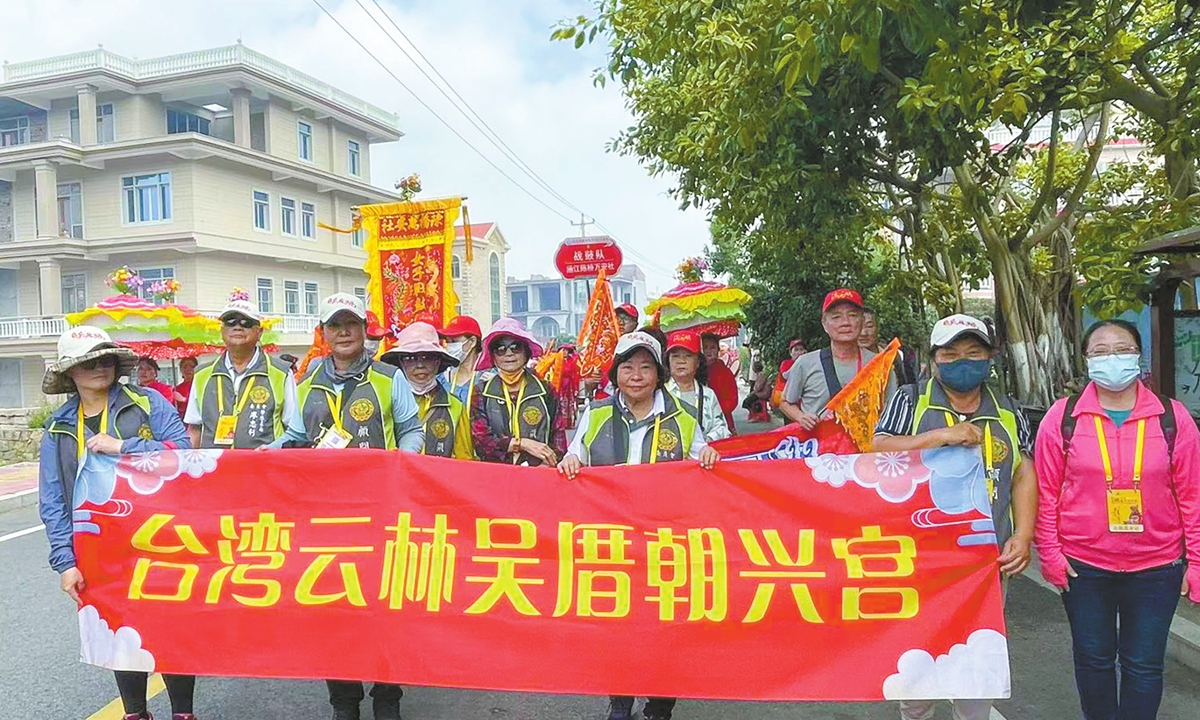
[827, 578]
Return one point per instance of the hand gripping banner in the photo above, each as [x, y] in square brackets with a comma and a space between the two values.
[835, 577]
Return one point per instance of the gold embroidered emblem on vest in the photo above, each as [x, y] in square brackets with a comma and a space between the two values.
[532, 415]
[145, 433]
[260, 395]
[362, 410]
[999, 450]
[440, 429]
[668, 442]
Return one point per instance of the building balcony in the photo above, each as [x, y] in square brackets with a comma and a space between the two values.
[295, 329]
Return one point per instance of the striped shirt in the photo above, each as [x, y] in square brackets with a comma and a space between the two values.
[898, 416]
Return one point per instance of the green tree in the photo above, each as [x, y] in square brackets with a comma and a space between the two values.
[760, 106]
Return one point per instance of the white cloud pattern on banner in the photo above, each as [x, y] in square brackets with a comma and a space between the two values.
[976, 670]
[120, 650]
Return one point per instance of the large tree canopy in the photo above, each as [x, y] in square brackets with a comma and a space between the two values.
[763, 108]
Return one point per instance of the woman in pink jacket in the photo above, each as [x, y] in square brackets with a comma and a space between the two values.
[1119, 501]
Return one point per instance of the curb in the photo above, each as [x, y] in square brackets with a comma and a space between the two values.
[28, 498]
[1183, 645]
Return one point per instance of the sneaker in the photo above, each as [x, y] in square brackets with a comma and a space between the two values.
[139, 716]
[386, 709]
[346, 713]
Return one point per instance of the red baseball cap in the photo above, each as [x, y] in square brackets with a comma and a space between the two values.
[630, 310]
[461, 325]
[684, 339]
[794, 343]
[842, 295]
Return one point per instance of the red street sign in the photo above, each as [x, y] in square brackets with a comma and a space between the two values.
[587, 256]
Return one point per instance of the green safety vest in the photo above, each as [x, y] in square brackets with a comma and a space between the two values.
[441, 421]
[609, 427]
[261, 419]
[366, 405]
[535, 416]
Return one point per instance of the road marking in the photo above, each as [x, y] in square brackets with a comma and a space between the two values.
[21, 533]
[115, 710]
[995, 715]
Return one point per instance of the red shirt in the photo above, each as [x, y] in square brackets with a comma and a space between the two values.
[723, 382]
[185, 389]
[164, 389]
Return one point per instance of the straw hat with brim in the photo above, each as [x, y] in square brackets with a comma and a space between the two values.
[419, 339]
[80, 345]
[508, 327]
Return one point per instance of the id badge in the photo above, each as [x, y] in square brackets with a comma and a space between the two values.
[226, 429]
[1125, 511]
[993, 484]
[334, 439]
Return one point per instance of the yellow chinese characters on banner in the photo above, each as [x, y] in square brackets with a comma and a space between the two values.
[409, 253]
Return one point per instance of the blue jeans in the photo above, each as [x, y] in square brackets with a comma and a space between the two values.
[1125, 615]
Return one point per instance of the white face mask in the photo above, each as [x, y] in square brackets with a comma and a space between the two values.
[424, 389]
[460, 349]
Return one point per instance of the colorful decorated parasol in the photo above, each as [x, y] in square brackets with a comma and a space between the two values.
[702, 306]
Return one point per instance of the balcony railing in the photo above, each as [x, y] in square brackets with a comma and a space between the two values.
[216, 58]
[28, 328]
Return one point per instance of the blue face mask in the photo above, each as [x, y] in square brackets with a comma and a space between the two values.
[964, 375]
[1114, 372]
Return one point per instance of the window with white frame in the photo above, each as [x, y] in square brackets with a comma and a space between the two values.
[70, 210]
[105, 124]
[308, 220]
[74, 292]
[287, 216]
[312, 298]
[149, 277]
[147, 198]
[179, 121]
[358, 238]
[304, 140]
[455, 267]
[14, 131]
[262, 211]
[266, 295]
[354, 158]
[291, 297]
[361, 294]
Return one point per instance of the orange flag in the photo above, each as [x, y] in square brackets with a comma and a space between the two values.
[599, 332]
[860, 402]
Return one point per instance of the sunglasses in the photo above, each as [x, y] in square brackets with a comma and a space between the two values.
[101, 362]
[242, 322]
[514, 347]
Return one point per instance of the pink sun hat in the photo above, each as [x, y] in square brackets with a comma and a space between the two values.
[510, 328]
[420, 338]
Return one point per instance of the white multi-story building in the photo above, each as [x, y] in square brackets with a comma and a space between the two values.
[552, 307]
[211, 167]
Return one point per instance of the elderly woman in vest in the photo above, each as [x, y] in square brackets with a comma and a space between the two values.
[102, 416]
[689, 371]
[642, 423]
[514, 414]
[419, 353]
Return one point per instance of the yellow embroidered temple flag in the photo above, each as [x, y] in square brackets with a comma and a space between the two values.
[860, 402]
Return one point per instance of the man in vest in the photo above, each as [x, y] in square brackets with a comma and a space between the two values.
[817, 376]
[244, 399]
[958, 406]
[349, 400]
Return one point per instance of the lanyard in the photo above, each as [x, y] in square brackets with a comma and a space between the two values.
[335, 407]
[241, 403]
[1137, 456]
[514, 420]
[80, 430]
[654, 442]
[989, 460]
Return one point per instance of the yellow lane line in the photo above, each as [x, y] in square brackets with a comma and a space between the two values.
[116, 711]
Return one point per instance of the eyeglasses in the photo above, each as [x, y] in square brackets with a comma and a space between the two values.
[242, 322]
[424, 359]
[1103, 350]
[514, 347]
[106, 361]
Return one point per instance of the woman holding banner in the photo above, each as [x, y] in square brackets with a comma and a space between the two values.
[514, 413]
[421, 357]
[643, 423]
[101, 416]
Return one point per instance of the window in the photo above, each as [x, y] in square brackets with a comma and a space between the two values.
[455, 267]
[14, 131]
[305, 140]
[358, 238]
[10, 383]
[520, 301]
[266, 295]
[179, 121]
[287, 216]
[105, 125]
[549, 297]
[70, 210]
[626, 298]
[151, 276]
[308, 220]
[291, 297]
[147, 198]
[74, 292]
[546, 328]
[354, 159]
[361, 294]
[312, 298]
[494, 272]
[262, 211]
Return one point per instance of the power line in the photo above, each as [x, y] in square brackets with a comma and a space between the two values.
[434, 113]
[473, 117]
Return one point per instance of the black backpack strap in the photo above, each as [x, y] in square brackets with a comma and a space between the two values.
[1167, 422]
[1068, 423]
[831, 379]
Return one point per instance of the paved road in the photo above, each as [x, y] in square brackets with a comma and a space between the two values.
[40, 677]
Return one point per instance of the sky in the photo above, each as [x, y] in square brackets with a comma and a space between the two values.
[536, 94]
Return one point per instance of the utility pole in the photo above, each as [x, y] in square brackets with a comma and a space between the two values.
[583, 223]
